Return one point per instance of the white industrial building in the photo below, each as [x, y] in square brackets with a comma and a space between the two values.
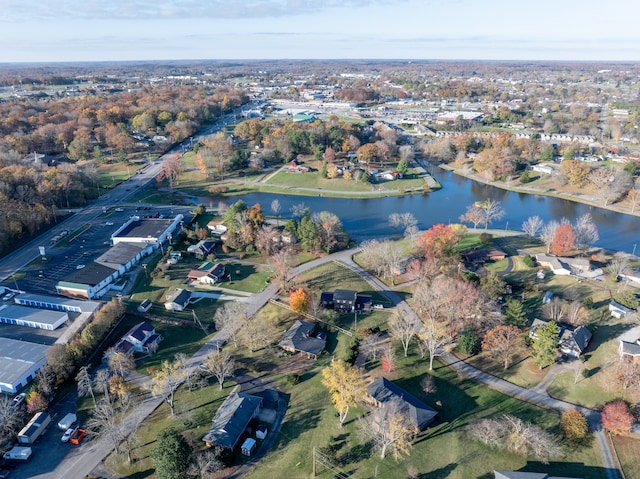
[90, 282]
[57, 303]
[32, 317]
[153, 231]
[123, 256]
[19, 363]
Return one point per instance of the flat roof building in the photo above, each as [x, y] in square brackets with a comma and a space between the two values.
[19, 363]
[146, 230]
[123, 256]
[57, 303]
[90, 282]
[32, 317]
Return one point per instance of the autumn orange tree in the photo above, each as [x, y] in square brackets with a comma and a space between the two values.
[438, 242]
[502, 342]
[564, 240]
[574, 425]
[616, 417]
[300, 300]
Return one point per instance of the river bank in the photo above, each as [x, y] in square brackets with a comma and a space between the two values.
[530, 190]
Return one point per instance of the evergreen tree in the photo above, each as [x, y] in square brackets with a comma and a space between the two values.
[308, 233]
[323, 171]
[171, 455]
[515, 312]
[545, 345]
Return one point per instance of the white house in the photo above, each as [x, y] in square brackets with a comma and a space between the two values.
[142, 338]
[177, 300]
[617, 310]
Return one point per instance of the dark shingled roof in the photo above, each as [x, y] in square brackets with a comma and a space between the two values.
[418, 413]
[344, 295]
[91, 274]
[231, 419]
[299, 337]
[145, 228]
[120, 254]
[140, 331]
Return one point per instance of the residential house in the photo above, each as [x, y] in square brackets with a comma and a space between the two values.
[201, 248]
[142, 338]
[563, 266]
[526, 475]
[572, 341]
[299, 338]
[347, 301]
[177, 299]
[542, 168]
[627, 348]
[207, 273]
[382, 392]
[483, 255]
[232, 419]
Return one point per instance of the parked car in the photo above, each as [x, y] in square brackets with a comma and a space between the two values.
[68, 433]
[378, 306]
[19, 399]
[109, 223]
[77, 436]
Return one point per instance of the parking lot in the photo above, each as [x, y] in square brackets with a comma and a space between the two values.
[67, 256]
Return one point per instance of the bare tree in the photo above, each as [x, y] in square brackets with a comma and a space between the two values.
[577, 314]
[548, 233]
[206, 462]
[84, 383]
[165, 381]
[428, 385]
[11, 418]
[389, 429]
[493, 211]
[256, 333]
[404, 221]
[105, 421]
[281, 262]
[275, 209]
[532, 226]
[220, 364]
[119, 362]
[267, 239]
[474, 215]
[230, 317]
[299, 210]
[554, 310]
[618, 264]
[502, 342]
[101, 382]
[578, 369]
[383, 257]
[371, 346]
[403, 327]
[586, 232]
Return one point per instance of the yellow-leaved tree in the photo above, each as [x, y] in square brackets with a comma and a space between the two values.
[346, 385]
[300, 300]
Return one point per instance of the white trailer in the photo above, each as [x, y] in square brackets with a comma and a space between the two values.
[34, 428]
[18, 452]
[67, 421]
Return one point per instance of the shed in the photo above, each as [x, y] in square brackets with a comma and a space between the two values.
[248, 446]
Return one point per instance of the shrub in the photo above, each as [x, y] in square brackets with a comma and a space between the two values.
[469, 342]
[529, 261]
[293, 379]
[574, 425]
[486, 238]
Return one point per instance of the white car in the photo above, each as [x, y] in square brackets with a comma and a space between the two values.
[109, 223]
[378, 306]
[19, 399]
[68, 433]
[80, 266]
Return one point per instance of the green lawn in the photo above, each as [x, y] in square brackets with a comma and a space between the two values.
[110, 174]
[522, 371]
[444, 451]
[329, 276]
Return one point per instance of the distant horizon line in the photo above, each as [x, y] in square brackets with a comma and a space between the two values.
[314, 60]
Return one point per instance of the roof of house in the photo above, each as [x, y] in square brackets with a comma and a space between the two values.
[581, 335]
[344, 295]
[202, 246]
[632, 349]
[140, 331]
[419, 414]
[484, 254]
[537, 323]
[231, 419]
[298, 337]
[179, 296]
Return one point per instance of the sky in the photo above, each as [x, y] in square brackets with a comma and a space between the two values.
[114, 30]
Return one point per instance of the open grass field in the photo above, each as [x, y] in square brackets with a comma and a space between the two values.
[627, 449]
[444, 451]
[111, 174]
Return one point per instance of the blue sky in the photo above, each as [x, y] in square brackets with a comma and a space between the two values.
[88, 30]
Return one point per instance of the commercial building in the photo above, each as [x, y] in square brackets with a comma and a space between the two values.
[19, 363]
[124, 256]
[153, 231]
[32, 317]
[57, 303]
[90, 282]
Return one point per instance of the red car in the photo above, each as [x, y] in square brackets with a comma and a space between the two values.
[77, 436]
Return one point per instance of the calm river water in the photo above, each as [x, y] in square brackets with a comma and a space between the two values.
[366, 218]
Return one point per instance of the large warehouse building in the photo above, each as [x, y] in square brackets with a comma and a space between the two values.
[19, 363]
[32, 317]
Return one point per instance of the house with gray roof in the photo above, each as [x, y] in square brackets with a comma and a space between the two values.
[232, 419]
[628, 348]
[571, 340]
[142, 338]
[177, 300]
[299, 338]
[382, 392]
